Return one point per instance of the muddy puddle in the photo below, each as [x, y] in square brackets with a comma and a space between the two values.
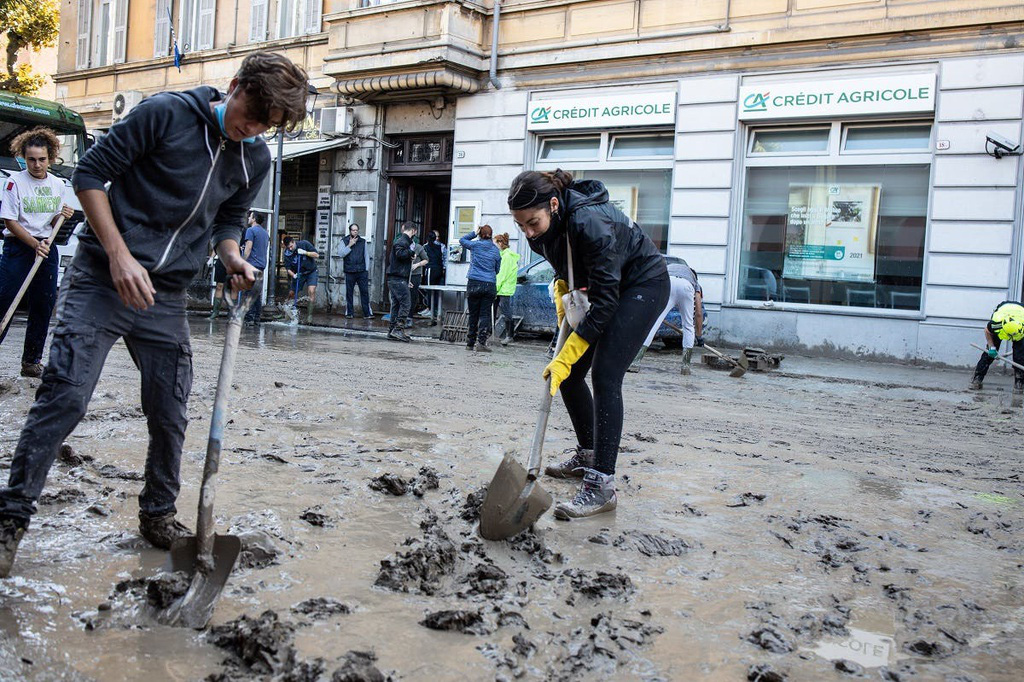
[772, 527]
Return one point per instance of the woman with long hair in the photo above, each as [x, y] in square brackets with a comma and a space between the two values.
[484, 264]
[592, 244]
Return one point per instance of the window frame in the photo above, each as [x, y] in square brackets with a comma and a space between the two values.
[752, 138]
[613, 138]
[836, 158]
[843, 151]
[604, 160]
[543, 144]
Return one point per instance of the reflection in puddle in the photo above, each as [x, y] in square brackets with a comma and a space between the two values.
[869, 649]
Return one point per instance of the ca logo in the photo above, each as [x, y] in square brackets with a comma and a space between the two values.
[540, 115]
[756, 101]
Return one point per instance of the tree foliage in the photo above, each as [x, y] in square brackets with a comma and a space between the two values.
[32, 24]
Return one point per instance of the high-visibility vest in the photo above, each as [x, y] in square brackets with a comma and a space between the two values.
[1005, 313]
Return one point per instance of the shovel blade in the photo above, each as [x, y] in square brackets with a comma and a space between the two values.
[513, 502]
[195, 608]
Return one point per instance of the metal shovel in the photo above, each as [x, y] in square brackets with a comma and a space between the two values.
[209, 557]
[515, 500]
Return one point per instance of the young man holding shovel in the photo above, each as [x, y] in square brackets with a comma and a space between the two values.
[133, 264]
[31, 203]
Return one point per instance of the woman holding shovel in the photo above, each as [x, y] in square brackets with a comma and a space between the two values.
[595, 247]
[31, 203]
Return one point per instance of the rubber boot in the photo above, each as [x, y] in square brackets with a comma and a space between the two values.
[1017, 397]
[574, 466]
[162, 531]
[11, 533]
[595, 496]
[216, 308]
[635, 365]
[976, 382]
[687, 357]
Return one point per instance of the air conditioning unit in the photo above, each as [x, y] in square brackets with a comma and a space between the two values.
[335, 121]
[124, 101]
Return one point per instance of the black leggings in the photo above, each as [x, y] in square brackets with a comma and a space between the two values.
[597, 418]
[480, 298]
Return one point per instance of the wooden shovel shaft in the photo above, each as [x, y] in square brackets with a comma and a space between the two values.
[537, 449]
[1000, 357]
[28, 279]
[208, 490]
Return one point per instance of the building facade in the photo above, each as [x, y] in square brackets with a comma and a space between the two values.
[842, 174]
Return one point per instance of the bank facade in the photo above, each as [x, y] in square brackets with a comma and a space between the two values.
[826, 166]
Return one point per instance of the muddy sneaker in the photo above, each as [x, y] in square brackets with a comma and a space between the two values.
[403, 336]
[395, 334]
[31, 369]
[11, 532]
[482, 347]
[595, 496]
[687, 357]
[975, 384]
[635, 365]
[161, 531]
[470, 346]
[573, 466]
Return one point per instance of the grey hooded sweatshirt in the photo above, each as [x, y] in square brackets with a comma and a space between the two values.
[175, 181]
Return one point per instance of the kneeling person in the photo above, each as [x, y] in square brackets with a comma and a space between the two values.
[129, 275]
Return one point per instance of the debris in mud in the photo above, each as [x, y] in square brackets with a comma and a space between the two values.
[430, 558]
[390, 484]
[167, 588]
[512, 619]
[63, 496]
[643, 438]
[595, 649]
[848, 667]
[68, 457]
[258, 550]
[690, 510]
[764, 673]
[485, 579]
[426, 480]
[114, 471]
[261, 645]
[925, 648]
[600, 585]
[471, 507]
[359, 667]
[314, 516]
[320, 608]
[770, 639]
[747, 500]
[651, 545]
[529, 542]
[457, 620]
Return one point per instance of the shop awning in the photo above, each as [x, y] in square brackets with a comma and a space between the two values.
[295, 148]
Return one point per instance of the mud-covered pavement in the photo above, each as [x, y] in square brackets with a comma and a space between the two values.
[826, 521]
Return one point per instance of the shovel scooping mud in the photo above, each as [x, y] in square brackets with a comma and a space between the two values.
[209, 558]
[739, 368]
[515, 500]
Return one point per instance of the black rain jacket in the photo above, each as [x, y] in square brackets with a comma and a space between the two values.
[610, 252]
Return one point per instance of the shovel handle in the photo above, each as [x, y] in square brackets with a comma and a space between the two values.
[208, 490]
[537, 448]
[1000, 357]
[28, 278]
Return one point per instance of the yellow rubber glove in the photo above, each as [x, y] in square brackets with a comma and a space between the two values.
[561, 289]
[559, 368]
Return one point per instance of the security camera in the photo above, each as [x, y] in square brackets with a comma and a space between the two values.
[1001, 145]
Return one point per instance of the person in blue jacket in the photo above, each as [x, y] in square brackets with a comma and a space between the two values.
[481, 288]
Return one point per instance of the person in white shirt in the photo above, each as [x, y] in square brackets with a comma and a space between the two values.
[31, 202]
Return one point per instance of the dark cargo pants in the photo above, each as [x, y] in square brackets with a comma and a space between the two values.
[90, 319]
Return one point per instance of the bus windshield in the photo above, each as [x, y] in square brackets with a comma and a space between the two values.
[18, 114]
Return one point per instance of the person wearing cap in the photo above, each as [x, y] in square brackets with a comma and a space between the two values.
[1006, 324]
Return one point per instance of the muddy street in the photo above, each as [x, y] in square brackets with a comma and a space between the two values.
[826, 521]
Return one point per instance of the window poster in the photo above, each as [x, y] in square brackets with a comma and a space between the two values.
[831, 232]
[624, 198]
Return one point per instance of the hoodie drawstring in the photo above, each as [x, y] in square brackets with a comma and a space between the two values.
[245, 170]
[206, 139]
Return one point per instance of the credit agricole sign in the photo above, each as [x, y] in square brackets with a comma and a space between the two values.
[911, 93]
[626, 109]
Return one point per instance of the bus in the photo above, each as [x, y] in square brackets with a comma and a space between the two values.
[19, 113]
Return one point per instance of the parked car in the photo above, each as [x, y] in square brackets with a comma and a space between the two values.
[532, 302]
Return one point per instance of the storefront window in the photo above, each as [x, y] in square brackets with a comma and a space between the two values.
[575, 149]
[790, 141]
[845, 236]
[633, 146]
[887, 138]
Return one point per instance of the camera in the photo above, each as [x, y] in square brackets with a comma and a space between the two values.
[1001, 145]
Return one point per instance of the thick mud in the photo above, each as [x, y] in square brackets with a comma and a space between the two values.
[828, 522]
